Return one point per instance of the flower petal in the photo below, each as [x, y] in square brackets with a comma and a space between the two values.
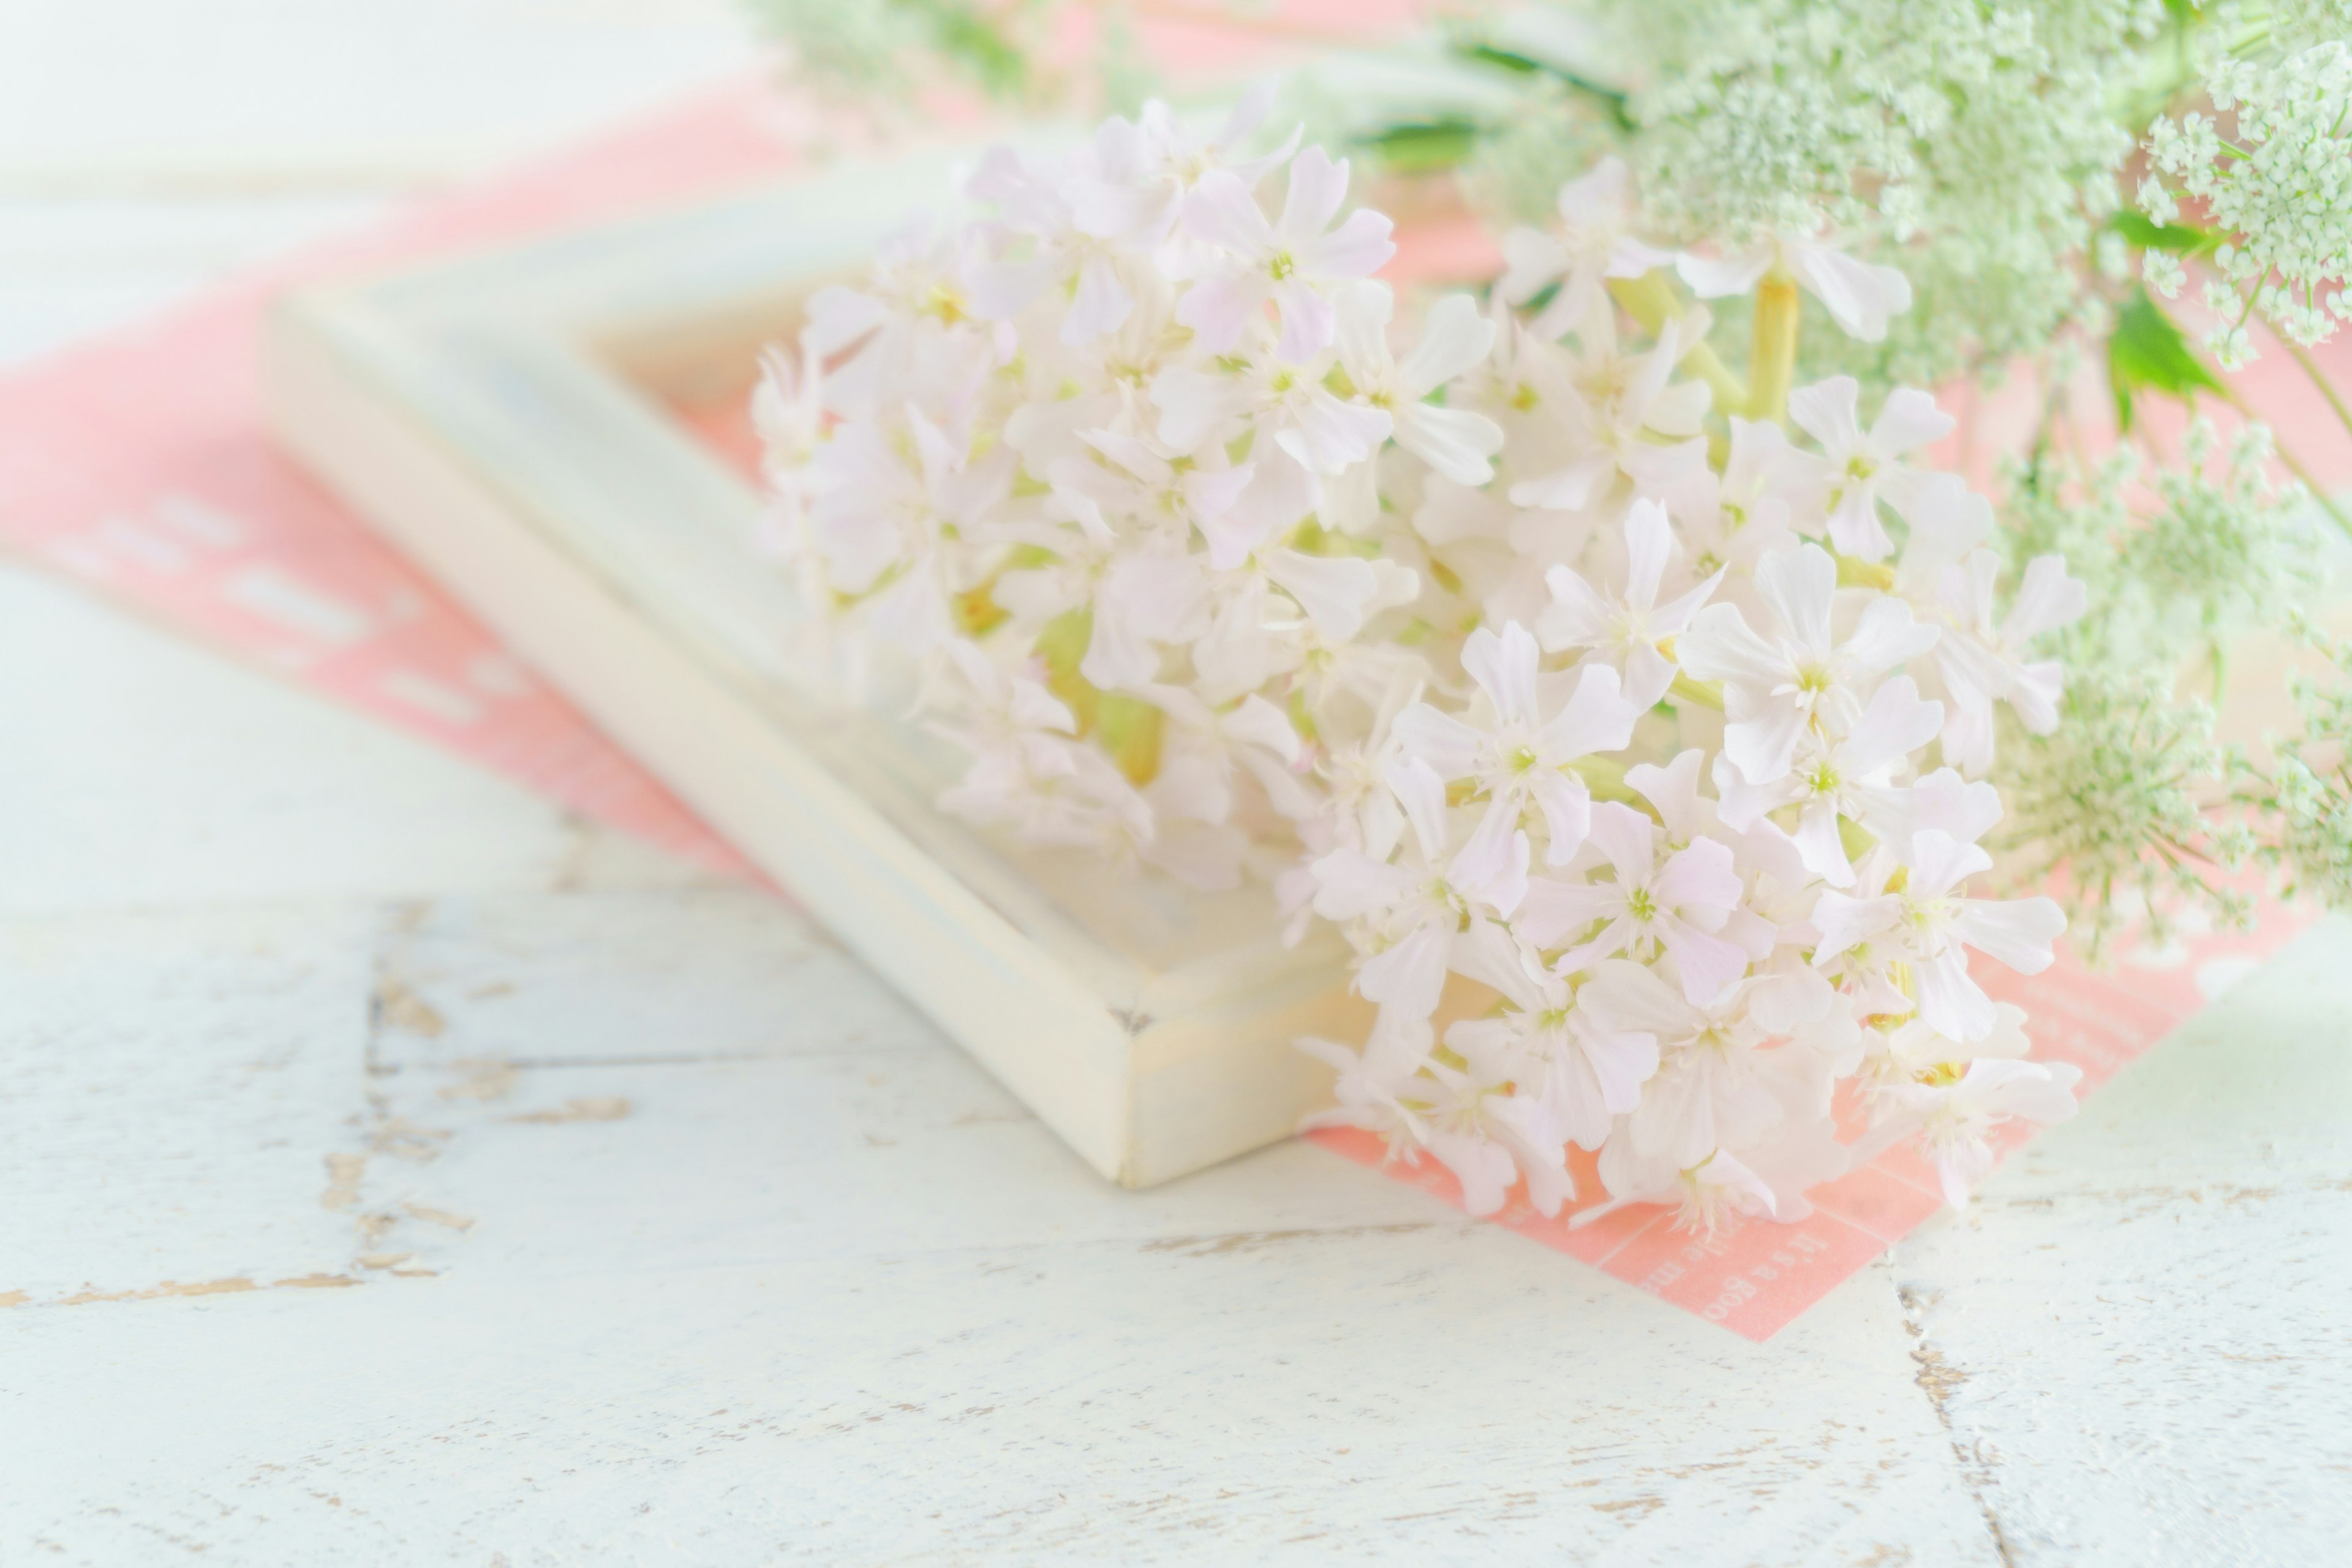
[1309, 320]
[1567, 808]
[1552, 910]
[1448, 746]
[1456, 442]
[1700, 880]
[1220, 211]
[1714, 276]
[1332, 589]
[1317, 186]
[1410, 975]
[1455, 336]
[1719, 644]
[1709, 965]
[1827, 412]
[1357, 248]
[1219, 307]
[1897, 722]
[1421, 794]
[2016, 931]
[1102, 303]
[1800, 588]
[1909, 419]
[1859, 296]
[1505, 668]
[1595, 719]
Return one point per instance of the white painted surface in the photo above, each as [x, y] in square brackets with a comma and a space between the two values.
[681, 1240]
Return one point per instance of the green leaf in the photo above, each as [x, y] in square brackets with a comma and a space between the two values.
[1419, 147]
[1501, 59]
[2147, 352]
[1519, 63]
[973, 43]
[2180, 238]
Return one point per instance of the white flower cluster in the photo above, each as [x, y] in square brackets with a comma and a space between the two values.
[2278, 188]
[1637, 752]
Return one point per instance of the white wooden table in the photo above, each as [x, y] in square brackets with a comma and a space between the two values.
[392, 1170]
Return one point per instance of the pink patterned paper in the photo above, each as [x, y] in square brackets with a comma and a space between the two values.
[139, 464]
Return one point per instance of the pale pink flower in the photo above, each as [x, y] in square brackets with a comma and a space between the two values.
[1931, 925]
[1028, 774]
[1954, 1120]
[1612, 404]
[874, 335]
[1253, 738]
[1456, 442]
[1795, 676]
[1857, 468]
[1133, 186]
[1705, 1195]
[1262, 395]
[1595, 242]
[1042, 248]
[1985, 659]
[1291, 263]
[1849, 777]
[1675, 904]
[1407, 899]
[1519, 755]
[1733, 519]
[1626, 628]
[1585, 1074]
[872, 514]
[1710, 1091]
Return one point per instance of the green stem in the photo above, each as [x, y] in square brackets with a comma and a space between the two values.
[1652, 302]
[1852, 572]
[2319, 379]
[1772, 362]
[1701, 693]
[2293, 464]
[1604, 777]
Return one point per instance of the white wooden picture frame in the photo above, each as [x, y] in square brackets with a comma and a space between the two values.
[498, 418]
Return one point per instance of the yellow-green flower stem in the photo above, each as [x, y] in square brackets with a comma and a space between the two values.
[1604, 779]
[1773, 361]
[1128, 727]
[1699, 693]
[2302, 356]
[1852, 572]
[1651, 300]
[2288, 460]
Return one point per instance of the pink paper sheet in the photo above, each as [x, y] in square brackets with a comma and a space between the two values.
[139, 466]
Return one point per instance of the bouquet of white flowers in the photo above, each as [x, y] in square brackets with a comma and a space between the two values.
[1641, 725]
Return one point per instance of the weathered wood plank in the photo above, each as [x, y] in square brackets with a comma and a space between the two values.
[143, 772]
[2141, 1337]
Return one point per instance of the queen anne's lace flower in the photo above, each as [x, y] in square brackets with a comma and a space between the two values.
[1495, 651]
[2277, 187]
